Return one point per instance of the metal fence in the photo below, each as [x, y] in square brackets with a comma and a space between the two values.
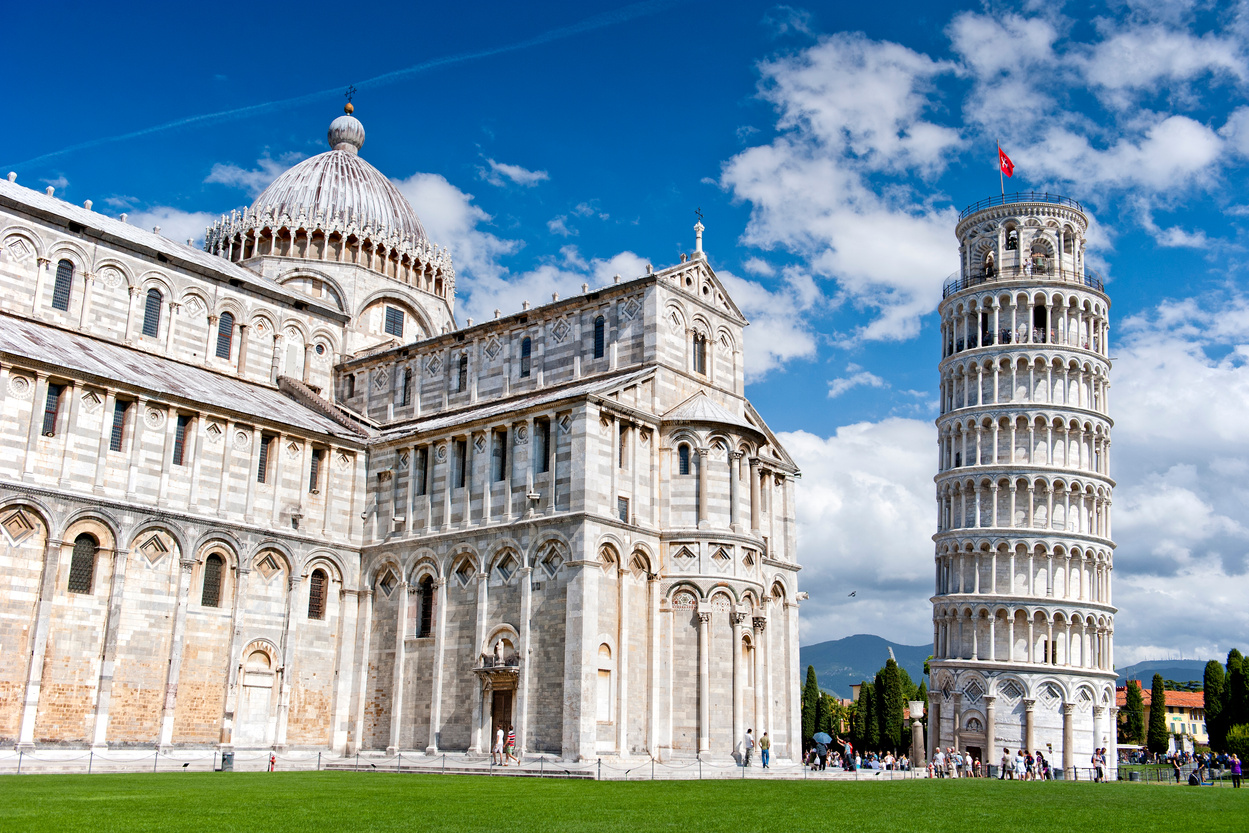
[1017, 197]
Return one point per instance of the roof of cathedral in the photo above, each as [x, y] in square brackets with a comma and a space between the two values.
[111, 230]
[701, 408]
[156, 375]
[338, 183]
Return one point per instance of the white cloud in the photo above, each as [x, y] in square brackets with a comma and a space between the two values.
[1140, 57]
[785, 20]
[559, 225]
[451, 219]
[850, 110]
[759, 266]
[484, 282]
[175, 224]
[500, 173]
[59, 182]
[866, 509]
[858, 378]
[780, 328]
[252, 180]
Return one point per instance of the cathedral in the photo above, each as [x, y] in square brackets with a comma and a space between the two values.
[272, 494]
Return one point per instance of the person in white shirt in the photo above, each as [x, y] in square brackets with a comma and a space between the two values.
[748, 746]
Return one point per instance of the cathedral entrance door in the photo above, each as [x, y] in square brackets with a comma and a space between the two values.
[500, 713]
[255, 699]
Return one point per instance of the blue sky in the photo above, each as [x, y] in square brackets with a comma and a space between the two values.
[829, 146]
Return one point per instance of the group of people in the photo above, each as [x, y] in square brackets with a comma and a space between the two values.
[822, 756]
[504, 748]
[1025, 766]
[949, 763]
[748, 747]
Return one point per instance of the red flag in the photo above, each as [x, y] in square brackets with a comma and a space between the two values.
[1007, 166]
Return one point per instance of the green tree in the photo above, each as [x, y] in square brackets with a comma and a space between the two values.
[1213, 684]
[908, 685]
[878, 709]
[821, 713]
[858, 728]
[829, 719]
[1238, 740]
[1134, 714]
[810, 697]
[1236, 702]
[871, 725]
[893, 705]
[1156, 740]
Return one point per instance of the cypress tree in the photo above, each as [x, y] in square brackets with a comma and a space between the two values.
[878, 709]
[1134, 714]
[1236, 700]
[828, 720]
[858, 726]
[871, 727]
[1212, 687]
[892, 699]
[821, 713]
[810, 696]
[1156, 739]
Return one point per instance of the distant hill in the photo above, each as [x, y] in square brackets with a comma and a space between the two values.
[1180, 670]
[841, 663]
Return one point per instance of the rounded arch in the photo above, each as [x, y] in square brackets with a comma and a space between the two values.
[153, 279]
[108, 526]
[279, 548]
[336, 292]
[684, 586]
[424, 562]
[327, 559]
[68, 250]
[410, 306]
[33, 241]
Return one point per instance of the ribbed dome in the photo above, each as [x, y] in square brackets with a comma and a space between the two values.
[339, 183]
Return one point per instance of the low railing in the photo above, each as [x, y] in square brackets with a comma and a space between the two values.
[1021, 196]
[1022, 335]
[957, 281]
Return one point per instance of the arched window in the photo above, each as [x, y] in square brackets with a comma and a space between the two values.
[225, 335]
[526, 348]
[461, 379]
[211, 595]
[82, 564]
[426, 625]
[151, 313]
[600, 336]
[64, 283]
[1012, 239]
[700, 353]
[683, 459]
[316, 595]
[603, 696]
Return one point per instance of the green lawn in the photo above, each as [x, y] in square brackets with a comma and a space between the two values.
[342, 801]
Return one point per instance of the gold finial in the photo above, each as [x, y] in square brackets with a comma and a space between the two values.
[349, 108]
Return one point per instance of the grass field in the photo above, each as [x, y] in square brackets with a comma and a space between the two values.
[333, 801]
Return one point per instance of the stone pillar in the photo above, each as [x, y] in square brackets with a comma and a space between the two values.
[1069, 740]
[1029, 731]
[934, 723]
[175, 652]
[704, 682]
[479, 645]
[106, 435]
[37, 404]
[738, 673]
[236, 661]
[39, 644]
[1112, 743]
[990, 731]
[295, 602]
[108, 656]
[73, 394]
[41, 277]
[364, 626]
[174, 307]
[704, 464]
[440, 629]
[622, 659]
[957, 724]
[917, 742]
[396, 688]
[523, 676]
[87, 281]
[242, 357]
[652, 665]
[760, 723]
[734, 471]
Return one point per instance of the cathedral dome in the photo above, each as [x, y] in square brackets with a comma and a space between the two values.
[338, 184]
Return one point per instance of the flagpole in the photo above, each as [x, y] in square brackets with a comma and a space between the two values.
[1001, 179]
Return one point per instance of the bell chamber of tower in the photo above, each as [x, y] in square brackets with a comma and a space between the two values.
[1022, 617]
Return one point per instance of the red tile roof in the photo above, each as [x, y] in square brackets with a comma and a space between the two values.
[1182, 699]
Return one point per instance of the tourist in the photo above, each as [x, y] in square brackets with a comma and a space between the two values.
[509, 746]
[1005, 768]
[496, 751]
[1175, 765]
[748, 746]
[1020, 765]
[938, 762]
[821, 756]
[765, 746]
[967, 765]
[1235, 767]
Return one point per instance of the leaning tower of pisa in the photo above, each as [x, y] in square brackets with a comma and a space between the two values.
[1023, 622]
